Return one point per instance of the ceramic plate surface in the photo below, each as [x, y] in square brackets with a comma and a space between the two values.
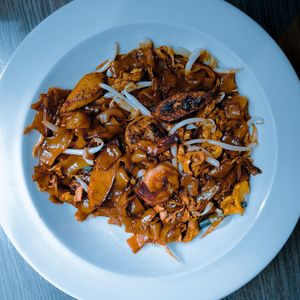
[92, 259]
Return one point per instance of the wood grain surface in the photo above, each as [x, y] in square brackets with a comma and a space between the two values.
[281, 278]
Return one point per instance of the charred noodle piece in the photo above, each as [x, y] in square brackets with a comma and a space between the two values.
[181, 104]
[47, 108]
[86, 91]
[250, 168]
[54, 146]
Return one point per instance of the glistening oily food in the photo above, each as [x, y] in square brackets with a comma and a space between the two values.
[157, 140]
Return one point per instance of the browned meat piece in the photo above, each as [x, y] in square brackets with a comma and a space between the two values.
[86, 91]
[227, 83]
[232, 109]
[180, 105]
[146, 133]
[134, 75]
[138, 58]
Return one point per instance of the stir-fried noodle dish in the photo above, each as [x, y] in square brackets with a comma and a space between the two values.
[158, 140]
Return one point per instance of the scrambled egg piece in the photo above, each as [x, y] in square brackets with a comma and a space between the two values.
[232, 203]
[135, 75]
[191, 161]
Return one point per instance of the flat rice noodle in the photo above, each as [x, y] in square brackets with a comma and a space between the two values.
[212, 227]
[192, 230]
[101, 182]
[232, 204]
[135, 207]
[174, 235]
[54, 146]
[138, 58]
[83, 211]
[154, 231]
[203, 76]
[232, 109]
[86, 91]
[137, 241]
[147, 60]
[112, 112]
[224, 168]
[70, 166]
[166, 54]
[126, 159]
[165, 232]
[76, 120]
[42, 177]
[242, 100]
[125, 63]
[121, 180]
[80, 142]
[240, 130]
[227, 83]
[46, 107]
[47, 183]
[81, 215]
[149, 97]
[108, 156]
[107, 132]
[168, 81]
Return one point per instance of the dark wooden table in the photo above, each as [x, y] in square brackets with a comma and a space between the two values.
[281, 279]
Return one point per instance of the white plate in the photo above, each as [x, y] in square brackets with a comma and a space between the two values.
[92, 260]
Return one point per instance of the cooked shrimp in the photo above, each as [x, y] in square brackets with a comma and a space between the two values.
[147, 134]
[159, 184]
